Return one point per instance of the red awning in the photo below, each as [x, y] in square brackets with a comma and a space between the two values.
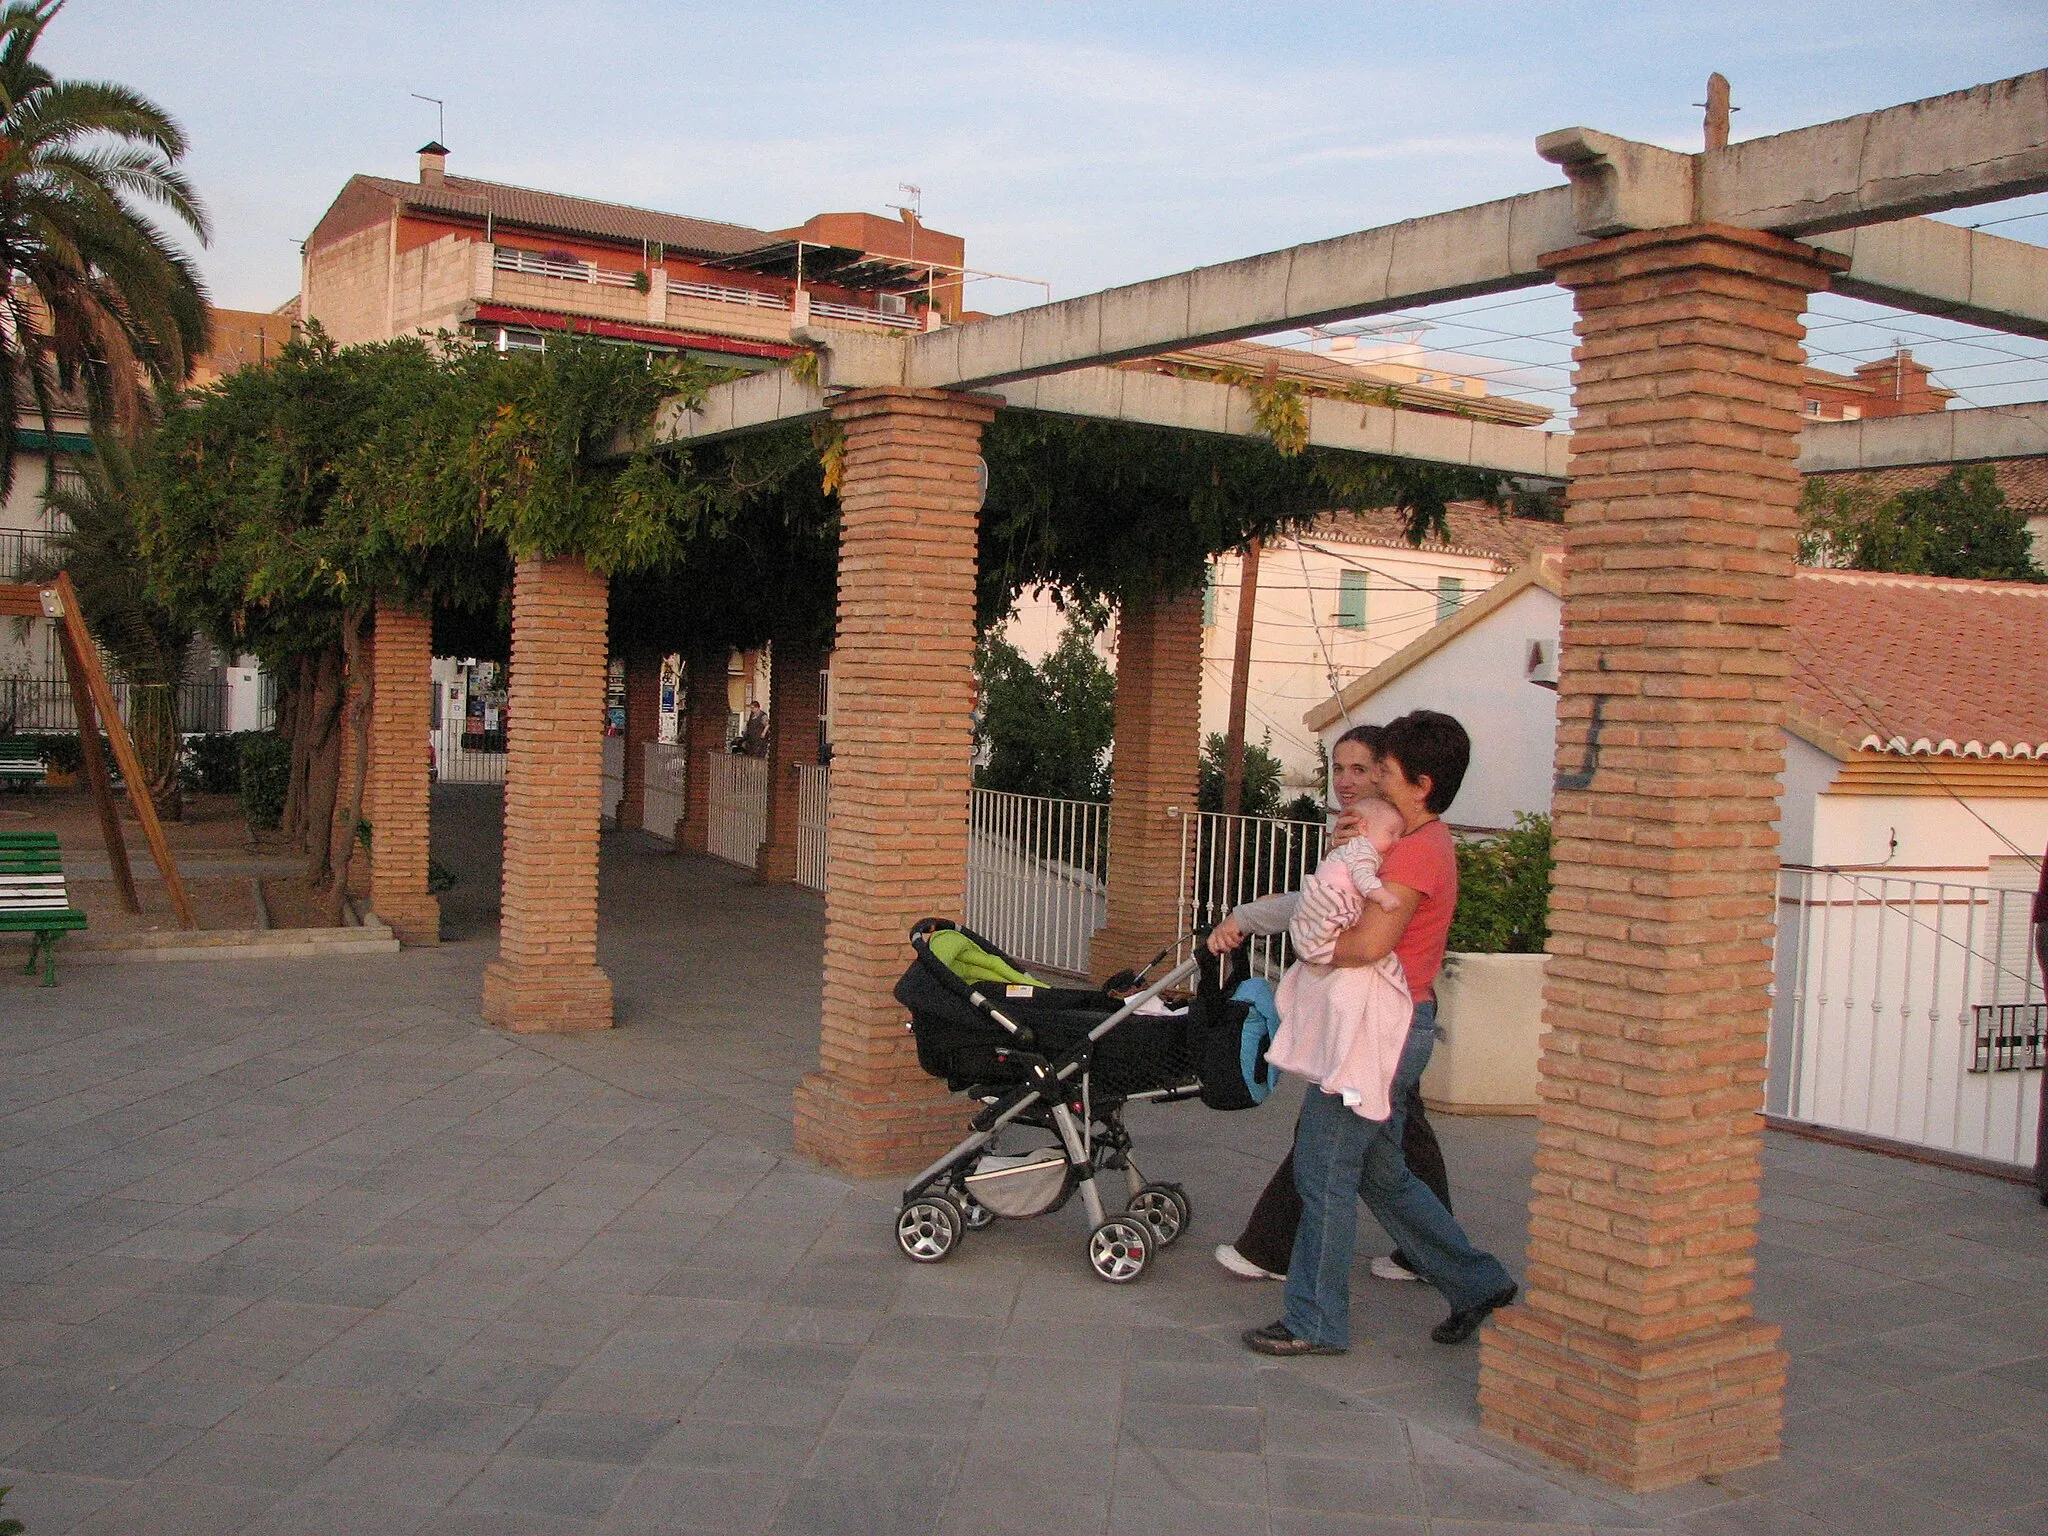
[541, 320]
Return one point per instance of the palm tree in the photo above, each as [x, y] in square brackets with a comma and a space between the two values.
[96, 296]
[146, 644]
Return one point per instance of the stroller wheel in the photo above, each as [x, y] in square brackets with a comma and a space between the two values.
[929, 1229]
[1119, 1248]
[979, 1216]
[1165, 1209]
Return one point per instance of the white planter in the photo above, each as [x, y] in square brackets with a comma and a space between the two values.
[1490, 1014]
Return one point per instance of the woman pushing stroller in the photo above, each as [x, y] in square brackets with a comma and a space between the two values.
[1348, 1140]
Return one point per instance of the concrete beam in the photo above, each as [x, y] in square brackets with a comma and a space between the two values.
[1159, 400]
[1943, 269]
[1939, 437]
[1972, 146]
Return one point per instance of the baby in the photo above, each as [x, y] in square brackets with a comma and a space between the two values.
[1343, 1027]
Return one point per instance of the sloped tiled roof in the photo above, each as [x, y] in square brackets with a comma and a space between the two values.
[1476, 529]
[2024, 481]
[1921, 665]
[526, 208]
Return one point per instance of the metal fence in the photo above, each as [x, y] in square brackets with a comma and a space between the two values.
[464, 756]
[1228, 860]
[1909, 1010]
[738, 808]
[35, 705]
[662, 796]
[814, 806]
[21, 547]
[1035, 875]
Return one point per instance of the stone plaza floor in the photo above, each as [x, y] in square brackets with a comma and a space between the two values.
[303, 1247]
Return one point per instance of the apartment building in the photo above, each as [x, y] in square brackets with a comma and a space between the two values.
[509, 265]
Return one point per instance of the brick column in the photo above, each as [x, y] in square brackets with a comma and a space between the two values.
[1156, 770]
[707, 702]
[643, 724]
[402, 712]
[902, 764]
[1634, 1354]
[793, 729]
[546, 974]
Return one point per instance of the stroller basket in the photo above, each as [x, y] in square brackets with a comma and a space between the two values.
[959, 1042]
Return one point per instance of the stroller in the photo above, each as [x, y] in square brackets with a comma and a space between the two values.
[1062, 1062]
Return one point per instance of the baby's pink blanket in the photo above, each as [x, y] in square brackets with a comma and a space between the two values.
[1341, 1026]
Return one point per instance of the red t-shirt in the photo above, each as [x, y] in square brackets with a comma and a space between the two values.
[1426, 860]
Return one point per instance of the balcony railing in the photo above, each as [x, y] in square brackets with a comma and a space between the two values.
[716, 293]
[861, 316]
[18, 547]
[568, 271]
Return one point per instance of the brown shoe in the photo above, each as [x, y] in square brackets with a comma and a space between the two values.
[1274, 1339]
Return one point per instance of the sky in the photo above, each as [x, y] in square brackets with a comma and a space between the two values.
[1080, 144]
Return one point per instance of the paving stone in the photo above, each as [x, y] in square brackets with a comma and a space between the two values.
[615, 1438]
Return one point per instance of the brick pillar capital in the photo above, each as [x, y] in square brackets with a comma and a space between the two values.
[887, 403]
[1750, 253]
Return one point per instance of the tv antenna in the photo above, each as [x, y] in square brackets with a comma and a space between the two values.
[440, 115]
[915, 207]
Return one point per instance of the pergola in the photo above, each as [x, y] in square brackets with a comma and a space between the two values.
[1634, 1353]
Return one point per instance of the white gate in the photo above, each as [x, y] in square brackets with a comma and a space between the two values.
[1034, 876]
[661, 798]
[1909, 1010]
[739, 808]
[813, 806]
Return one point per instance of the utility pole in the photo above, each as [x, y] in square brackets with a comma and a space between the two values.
[1240, 680]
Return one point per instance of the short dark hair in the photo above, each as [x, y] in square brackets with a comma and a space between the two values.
[1371, 737]
[1428, 743]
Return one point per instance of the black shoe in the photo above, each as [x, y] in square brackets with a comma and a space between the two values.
[1274, 1339]
[1464, 1322]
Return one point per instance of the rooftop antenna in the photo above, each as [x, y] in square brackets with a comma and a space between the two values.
[440, 115]
[915, 208]
[1718, 110]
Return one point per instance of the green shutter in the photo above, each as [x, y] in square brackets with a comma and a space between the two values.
[1450, 596]
[1351, 600]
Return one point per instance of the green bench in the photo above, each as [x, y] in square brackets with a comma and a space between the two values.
[21, 762]
[32, 898]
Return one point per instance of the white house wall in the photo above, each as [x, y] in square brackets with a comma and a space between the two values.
[1808, 773]
[1480, 678]
[1935, 833]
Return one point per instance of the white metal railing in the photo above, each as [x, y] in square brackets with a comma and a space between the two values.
[572, 271]
[662, 796]
[718, 293]
[738, 808]
[1910, 1010]
[1228, 860]
[813, 807]
[854, 312]
[1034, 875]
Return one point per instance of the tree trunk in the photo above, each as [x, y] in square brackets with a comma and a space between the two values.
[361, 693]
[153, 724]
[292, 821]
[323, 768]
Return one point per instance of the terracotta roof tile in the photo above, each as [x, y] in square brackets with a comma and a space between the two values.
[2024, 481]
[1922, 665]
[526, 208]
[1476, 529]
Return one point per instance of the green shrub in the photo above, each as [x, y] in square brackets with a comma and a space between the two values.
[1046, 728]
[1504, 891]
[213, 763]
[1304, 808]
[263, 773]
[61, 753]
[1262, 774]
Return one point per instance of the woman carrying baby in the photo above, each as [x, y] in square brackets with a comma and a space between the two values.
[1395, 915]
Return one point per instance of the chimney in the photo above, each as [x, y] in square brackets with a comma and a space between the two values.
[433, 163]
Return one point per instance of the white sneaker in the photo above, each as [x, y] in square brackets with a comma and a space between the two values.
[1384, 1266]
[1241, 1266]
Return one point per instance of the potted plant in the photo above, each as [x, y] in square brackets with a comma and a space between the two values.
[1490, 995]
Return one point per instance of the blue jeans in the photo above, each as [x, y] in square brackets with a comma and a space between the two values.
[1340, 1158]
